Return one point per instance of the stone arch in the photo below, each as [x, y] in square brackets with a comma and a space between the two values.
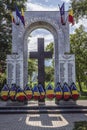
[49, 20]
[51, 28]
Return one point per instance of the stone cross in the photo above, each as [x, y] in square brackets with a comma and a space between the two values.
[41, 55]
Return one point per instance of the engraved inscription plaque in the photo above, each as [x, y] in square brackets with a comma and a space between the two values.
[18, 74]
[62, 72]
[10, 75]
[66, 68]
[70, 73]
[15, 70]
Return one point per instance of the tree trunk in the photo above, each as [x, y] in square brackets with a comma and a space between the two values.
[78, 78]
[31, 81]
[80, 87]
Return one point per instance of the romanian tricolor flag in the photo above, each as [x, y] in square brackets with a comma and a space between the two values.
[36, 94]
[20, 96]
[62, 13]
[66, 92]
[58, 92]
[28, 92]
[74, 91]
[71, 17]
[50, 92]
[5, 93]
[22, 16]
[41, 91]
[12, 18]
[12, 92]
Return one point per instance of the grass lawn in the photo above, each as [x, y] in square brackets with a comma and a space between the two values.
[82, 125]
[82, 97]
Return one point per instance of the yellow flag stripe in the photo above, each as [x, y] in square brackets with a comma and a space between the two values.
[71, 12]
[36, 93]
[66, 93]
[12, 93]
[4, 93]
[60, 93]
[49, 92]
[28, 92]
[22, 11]
[75, 92]
[20, 94]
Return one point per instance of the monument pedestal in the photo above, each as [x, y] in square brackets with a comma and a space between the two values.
[41, 103]
[15, 103]
[66, 103]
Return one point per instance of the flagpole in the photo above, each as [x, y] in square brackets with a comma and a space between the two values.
[18, 21]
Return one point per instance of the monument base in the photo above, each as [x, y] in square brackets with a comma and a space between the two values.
[15, 103]
[66, 103]
[41, 103]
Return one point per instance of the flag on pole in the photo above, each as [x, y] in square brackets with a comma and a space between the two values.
[71, 17]
[5, 93]
[12, 18]
[22, 16]
[62, 13]
[18, 12]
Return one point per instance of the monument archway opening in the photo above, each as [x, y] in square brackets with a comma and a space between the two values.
[31, 28]
[47, 62]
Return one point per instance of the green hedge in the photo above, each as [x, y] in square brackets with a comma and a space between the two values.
[82, 125]
[2, 79]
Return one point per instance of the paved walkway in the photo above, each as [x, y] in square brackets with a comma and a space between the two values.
[40, 121]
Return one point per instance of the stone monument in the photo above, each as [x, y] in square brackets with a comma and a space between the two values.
[67, 69]
[17, 68]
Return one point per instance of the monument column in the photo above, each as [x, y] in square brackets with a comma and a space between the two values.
[15, 70]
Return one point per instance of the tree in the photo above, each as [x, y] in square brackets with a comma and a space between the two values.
[49, 70]
[50, 47]
[79, 48]
[6, 31]
[49, 76]
[32, 67]
[79, 8]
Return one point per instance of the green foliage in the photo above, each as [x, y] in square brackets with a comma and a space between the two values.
[49, 74]
[82, 125]
[83, 97]
[11, 4]
[79, 48]
[5, 32]
[49, 71]
[32, 67]
[2, 80]
[79, 8]
[50, 47]
[5, 29]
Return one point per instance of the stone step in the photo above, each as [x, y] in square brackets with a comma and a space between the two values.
[41, 107]
[42, 110]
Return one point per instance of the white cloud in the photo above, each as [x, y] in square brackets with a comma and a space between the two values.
[66, 1]
[32, 46]
[82, 22]
[46, 0]
[77, 25]
[39, 7]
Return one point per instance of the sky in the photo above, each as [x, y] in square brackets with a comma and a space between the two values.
[48, 5]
